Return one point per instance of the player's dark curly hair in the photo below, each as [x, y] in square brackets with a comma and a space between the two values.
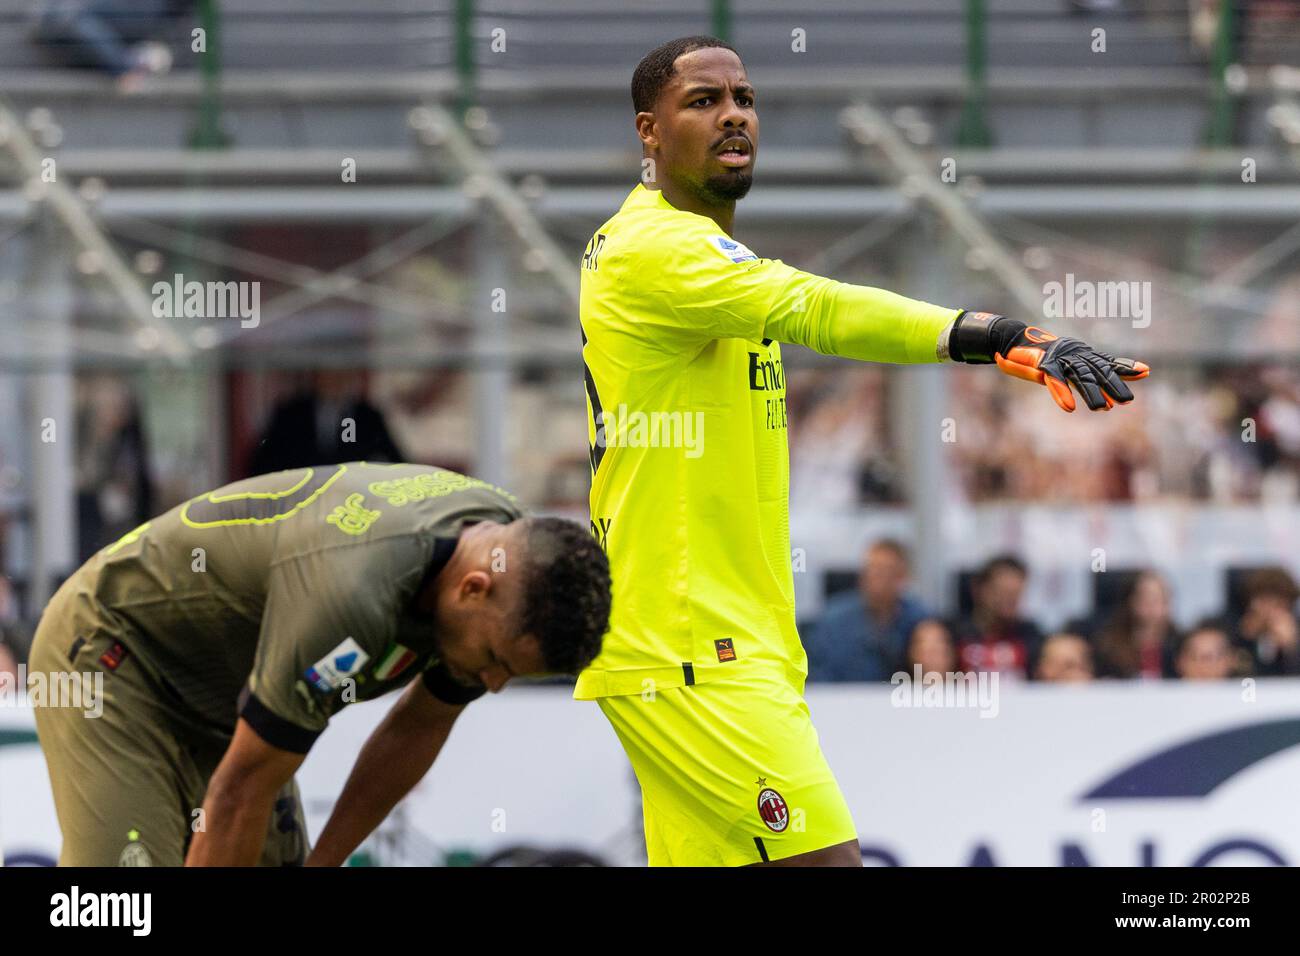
[656, 68]
[566, 593]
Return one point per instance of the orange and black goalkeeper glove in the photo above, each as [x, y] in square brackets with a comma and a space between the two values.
[1028, 352]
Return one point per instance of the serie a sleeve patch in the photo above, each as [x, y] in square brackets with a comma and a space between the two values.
[733, 250]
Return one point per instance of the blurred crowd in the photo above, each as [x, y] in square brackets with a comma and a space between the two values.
[1230, 434]
[1216, 434]
[877, 628]
[874, 630]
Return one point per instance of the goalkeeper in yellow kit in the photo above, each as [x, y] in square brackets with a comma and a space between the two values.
[702, 672]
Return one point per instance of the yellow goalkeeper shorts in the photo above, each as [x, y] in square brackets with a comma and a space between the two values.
[731, 772]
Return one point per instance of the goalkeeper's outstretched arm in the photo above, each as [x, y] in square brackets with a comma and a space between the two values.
[859, 322]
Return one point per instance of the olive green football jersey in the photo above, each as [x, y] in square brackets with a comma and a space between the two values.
[283, 597]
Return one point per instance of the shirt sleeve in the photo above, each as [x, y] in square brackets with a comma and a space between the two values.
[707, 286]
[328, 616]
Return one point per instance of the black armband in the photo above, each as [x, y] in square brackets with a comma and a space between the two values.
[977, 336]
[441, 685]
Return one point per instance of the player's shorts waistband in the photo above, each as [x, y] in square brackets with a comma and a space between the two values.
[594, 683]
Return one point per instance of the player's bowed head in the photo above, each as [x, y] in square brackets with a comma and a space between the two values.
[527, 598]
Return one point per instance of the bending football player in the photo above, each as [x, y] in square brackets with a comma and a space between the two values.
[229, 631]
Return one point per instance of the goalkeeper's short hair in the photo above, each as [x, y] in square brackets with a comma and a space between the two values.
[656, 68]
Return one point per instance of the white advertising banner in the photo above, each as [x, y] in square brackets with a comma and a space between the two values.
[1108, 774]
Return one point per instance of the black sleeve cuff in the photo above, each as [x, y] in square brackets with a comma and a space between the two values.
[978, 336]
[274, 729]
[441, 686]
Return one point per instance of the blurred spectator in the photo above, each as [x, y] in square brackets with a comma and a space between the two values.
[995, 637]
[1205, 654]
[118, 37]
[1268, 630]
[840, 454]
[1278, 439]
[1064, 659]
[8, 633]
[932, 647]
[9, 616]
[864, 633]
[114, 488]
[8, 662]
[1139, 640]
[329, 425]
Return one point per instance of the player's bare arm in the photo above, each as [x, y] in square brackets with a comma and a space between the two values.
[237, 807]
[395, 758]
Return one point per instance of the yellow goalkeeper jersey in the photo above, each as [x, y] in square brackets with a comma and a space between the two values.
[687, 419]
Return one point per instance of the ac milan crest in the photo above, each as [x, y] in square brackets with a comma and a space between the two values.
[772, 808]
